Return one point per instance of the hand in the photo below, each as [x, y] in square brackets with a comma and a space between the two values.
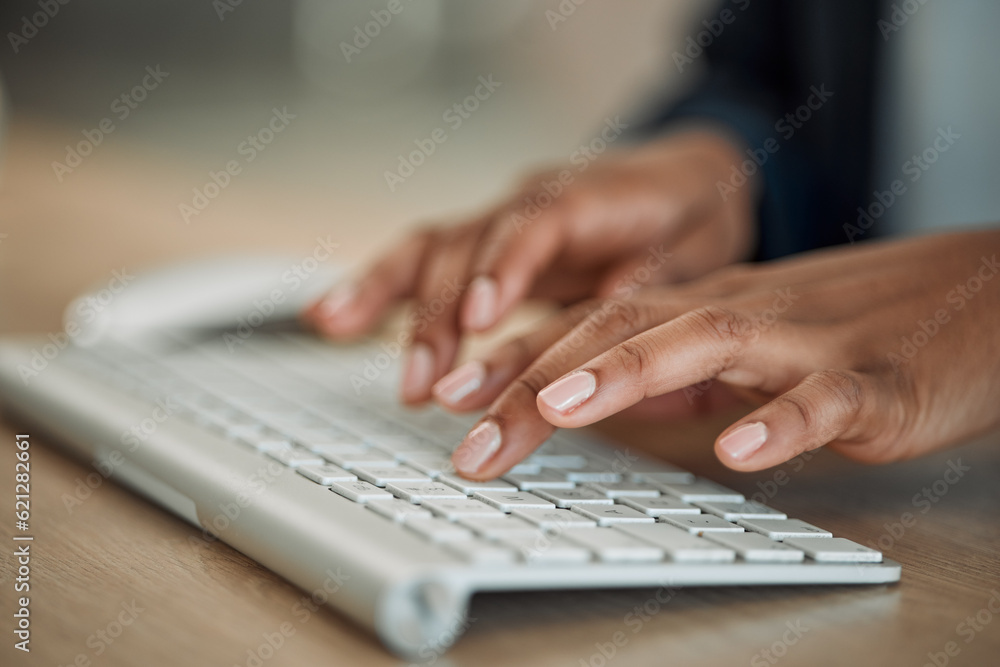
[882, 352]
[566, 234]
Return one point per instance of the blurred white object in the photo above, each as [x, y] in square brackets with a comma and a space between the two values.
[218, 293]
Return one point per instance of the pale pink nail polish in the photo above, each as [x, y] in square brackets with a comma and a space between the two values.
[481, 303]
[568, 392]
[338, 299]
[461, 382]
[419, 371]
[477, 448]
[744, 441]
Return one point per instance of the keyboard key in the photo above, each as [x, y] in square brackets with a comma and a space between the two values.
[359, 457]
[417, 492]
[700, 523]
[568, 497]
[508, 500]
[546, 480]
[360, 492]
[658, 472]
[345, 446]
[563, 461]
[593, 472]
[605, 515]
[496, 526]
[554, 519]
[438, 530]
[756, 548]
[266, 442]
[780, 529]
[679, 545]
[432, 465]
[835, 550]
[613, 546]
[659, 506]
[618, 489]
[481, 553]
[702, 490]
[452, 509]
[469, 487]
[380, 476]
[293, 457]
[399, 510]
[543, 548]
[746, 510]
[326, 474]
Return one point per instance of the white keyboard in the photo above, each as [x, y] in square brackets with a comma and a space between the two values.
[577, 513]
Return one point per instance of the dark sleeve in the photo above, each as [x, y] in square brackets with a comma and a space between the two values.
[765, 64]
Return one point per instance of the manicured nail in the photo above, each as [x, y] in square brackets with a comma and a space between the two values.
[479, 445]
[338, 299]
[481, 304]
[566, 393]
[744, 441]
[419, 372]
[464, 380]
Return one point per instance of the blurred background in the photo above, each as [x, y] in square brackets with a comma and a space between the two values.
[122, 117]
[363, 84]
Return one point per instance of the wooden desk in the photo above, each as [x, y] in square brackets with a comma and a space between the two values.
[212, 606]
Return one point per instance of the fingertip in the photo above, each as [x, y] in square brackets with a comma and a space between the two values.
[418, 374]
[460, 385]
[737, 448]
[480, 305]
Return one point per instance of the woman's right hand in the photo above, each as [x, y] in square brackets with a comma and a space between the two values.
[647, 215]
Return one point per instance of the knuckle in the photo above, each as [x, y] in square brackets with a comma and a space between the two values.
[634, 357]
[723, 325]
[826, 400]
[621, 315]
[843, 388]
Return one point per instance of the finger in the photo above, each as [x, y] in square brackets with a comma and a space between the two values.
[827, 406]
[353, 308]
[702, 344]
[474, 384]
[433, 321]
[514, 251]
[512, 426]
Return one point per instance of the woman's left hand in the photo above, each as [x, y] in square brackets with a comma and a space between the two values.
[883, 352]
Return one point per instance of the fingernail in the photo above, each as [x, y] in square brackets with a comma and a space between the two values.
[464, 380]
[336, 301]
[479, 445]
[744, 441]
[481, 307]
[419, 372]
[566, 393]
